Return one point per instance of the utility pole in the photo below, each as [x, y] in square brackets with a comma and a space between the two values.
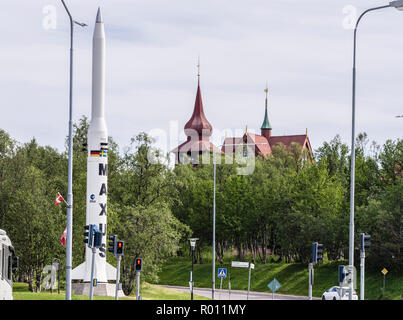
[363, 244]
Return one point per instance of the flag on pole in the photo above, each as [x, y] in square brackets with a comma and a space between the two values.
[63, 238]
[59, 199]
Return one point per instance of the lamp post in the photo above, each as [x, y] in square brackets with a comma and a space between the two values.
[69, 242]
[214, 188]
[192, 245]
[394, 4]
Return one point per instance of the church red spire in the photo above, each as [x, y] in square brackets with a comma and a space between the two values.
[198, 123]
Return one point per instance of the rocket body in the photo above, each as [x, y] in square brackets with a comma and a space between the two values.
[97, 164]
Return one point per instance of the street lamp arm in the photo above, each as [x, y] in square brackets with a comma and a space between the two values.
[368, 10]
[356, 27]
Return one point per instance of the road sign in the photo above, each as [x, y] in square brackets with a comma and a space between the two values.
[274, 285]
[222, 273]
[239, 264]
[384, 271]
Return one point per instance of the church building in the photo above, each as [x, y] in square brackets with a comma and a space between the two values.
[264, 142]
[198, 130]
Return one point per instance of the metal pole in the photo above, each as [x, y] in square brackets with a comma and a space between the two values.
[94, 250]
[362, 276]
[229, 287]
[58, 279]
[247, 297]
[191, 284]
[117, 278]
[138, 285]
[213, 286]
[352, 160]
[69, 235]
[191, 295]
[310, 269]
[220, 288]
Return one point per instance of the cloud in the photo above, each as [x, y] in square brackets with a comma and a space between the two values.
[300, 48]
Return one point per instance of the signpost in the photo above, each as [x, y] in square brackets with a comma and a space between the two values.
[229, 287]
[250, 266]
[274, 285]
[384, 272]
[239, 264]
[222, 273]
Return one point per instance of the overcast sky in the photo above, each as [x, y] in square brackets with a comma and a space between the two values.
[303, 49]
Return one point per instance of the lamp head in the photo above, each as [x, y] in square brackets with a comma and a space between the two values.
[193, 242]
[80, 24]
[397, 4]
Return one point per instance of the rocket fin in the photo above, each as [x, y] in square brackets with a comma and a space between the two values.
[78, 272]
[110, 272]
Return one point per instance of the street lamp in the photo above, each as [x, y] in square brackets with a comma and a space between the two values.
[192, 245]
[394, 4]
[69, 242]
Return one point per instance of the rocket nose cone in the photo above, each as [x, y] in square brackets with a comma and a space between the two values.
[99, 16]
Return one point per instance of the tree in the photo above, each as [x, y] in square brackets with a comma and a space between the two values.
[33, 222]
[139, 212]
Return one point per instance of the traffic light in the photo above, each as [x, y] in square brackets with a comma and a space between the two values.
[97, 237]
[364, 244]
[139, 264]
[86, 233]
[112, 244]
[92, 236]
[119, 248]
[317, 252]
[89, 235]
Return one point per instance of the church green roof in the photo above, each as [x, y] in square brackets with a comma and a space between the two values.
[266, 123]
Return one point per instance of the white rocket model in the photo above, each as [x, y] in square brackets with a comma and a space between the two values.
[97, 163]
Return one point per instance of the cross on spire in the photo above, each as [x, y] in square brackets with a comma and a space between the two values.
[198, 68]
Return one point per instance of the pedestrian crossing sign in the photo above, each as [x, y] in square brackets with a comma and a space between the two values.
[222, 273]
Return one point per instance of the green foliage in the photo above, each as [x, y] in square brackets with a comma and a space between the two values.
[293, 278]
[271, 215]
[141, 193]
[289, 202]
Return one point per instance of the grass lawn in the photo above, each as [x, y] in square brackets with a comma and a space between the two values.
[148, 292]
[292, 277]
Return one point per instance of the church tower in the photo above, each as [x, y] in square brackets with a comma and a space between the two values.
[198, 131]
[265, 129]
[198, 124]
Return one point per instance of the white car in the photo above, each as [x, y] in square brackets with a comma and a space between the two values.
[334, 293]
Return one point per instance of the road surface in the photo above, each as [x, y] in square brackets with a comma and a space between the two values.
[237, 294]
